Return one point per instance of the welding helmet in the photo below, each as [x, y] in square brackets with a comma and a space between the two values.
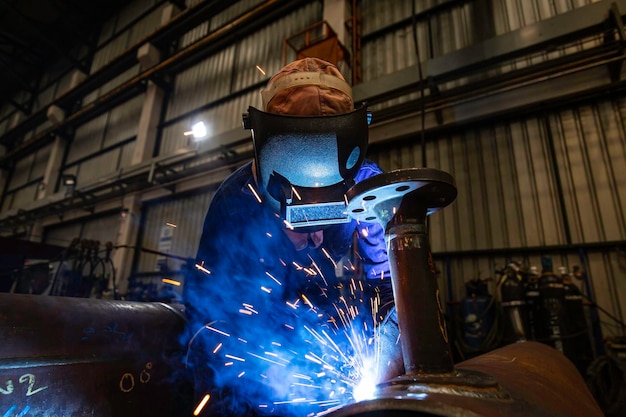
[309, 144]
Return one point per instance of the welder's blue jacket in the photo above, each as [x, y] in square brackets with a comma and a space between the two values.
[251, 283]
[244, 242]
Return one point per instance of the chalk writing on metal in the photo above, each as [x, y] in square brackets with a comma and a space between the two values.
[26, 378]
[127, 382]
[31, 383]
[144, 377]
[9, 389]
[112, 329]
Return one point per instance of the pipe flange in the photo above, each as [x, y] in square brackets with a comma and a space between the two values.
[378, 198]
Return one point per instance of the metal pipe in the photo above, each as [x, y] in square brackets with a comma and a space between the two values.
[68, 356]
[422, 325]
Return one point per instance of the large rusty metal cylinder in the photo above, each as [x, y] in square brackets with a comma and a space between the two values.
[63, 356]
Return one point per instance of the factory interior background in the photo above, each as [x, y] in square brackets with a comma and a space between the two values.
[106, 181]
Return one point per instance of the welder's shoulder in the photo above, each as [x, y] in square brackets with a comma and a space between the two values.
[233, 190]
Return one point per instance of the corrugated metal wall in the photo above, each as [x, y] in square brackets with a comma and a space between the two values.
[29, 171]
[509, 174]
[104, 144]
[228, 72]
[103, 228]
[185, 217]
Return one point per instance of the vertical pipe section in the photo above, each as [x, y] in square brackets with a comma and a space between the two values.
[424, 338]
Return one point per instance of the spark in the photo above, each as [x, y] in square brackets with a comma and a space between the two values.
[289, 225]
[217, 348]
[170, 224]
[267, 290]
[202, 268]
[296, 400]
[260, 70]
[365, 232]
[307, 301]
[244, 311]
[256, 195]
[170, 281]
[306, 385]
[265, 359]
[217, 331]
[271, 276]
[241, 374]
[201, 405]
[250, 308]
[313, 359]
[329, 257]
[296, 193]
[235, 358]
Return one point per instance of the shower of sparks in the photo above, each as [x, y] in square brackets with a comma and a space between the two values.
[317, 362]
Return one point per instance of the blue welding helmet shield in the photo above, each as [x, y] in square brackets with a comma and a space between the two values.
[305, 164]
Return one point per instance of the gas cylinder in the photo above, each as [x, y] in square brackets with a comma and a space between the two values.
[512, 288]
[478, 318]
[533, 304]
[577, 338]
[550, 328]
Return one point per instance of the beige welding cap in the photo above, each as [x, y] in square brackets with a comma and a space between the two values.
[308, 87]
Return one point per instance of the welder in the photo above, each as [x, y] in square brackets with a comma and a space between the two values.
[277, 235]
